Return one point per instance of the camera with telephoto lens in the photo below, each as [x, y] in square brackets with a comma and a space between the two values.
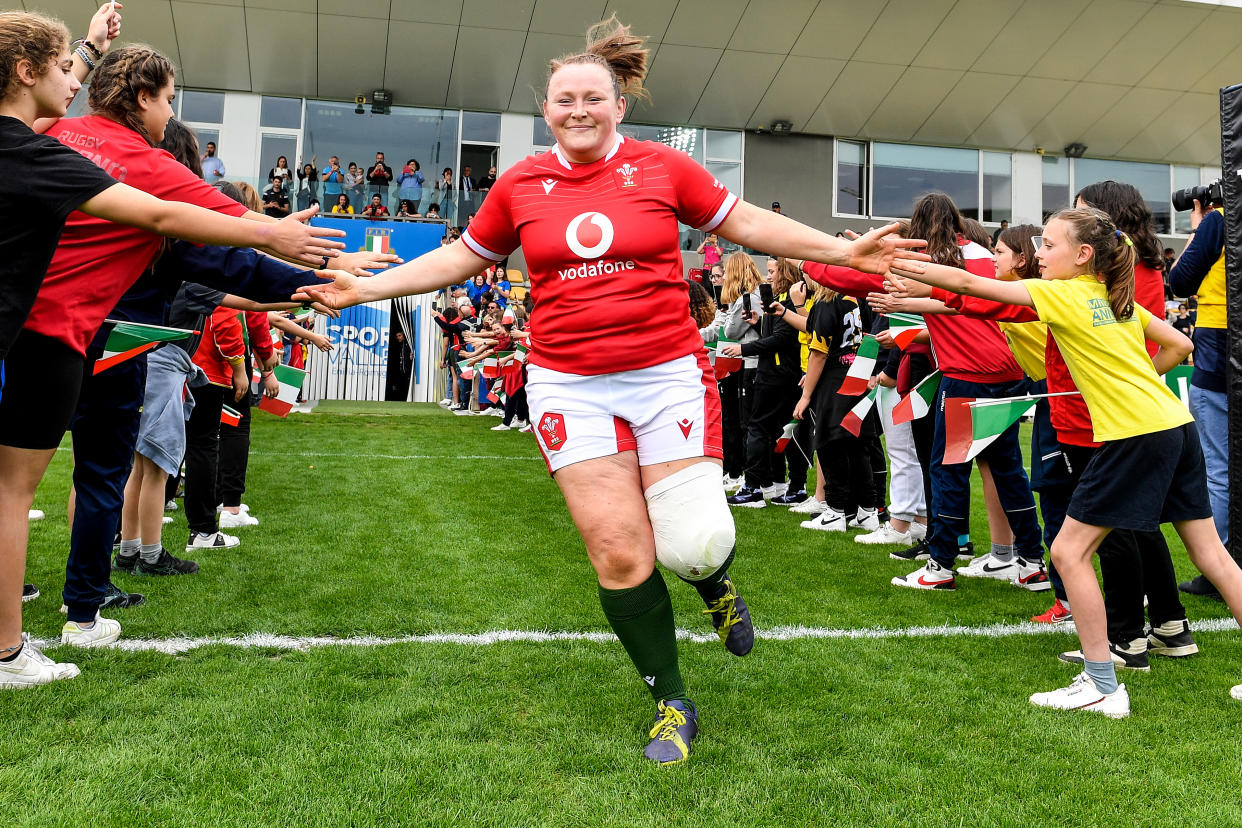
[1208, 195]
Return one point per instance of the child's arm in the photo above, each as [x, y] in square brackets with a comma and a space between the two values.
[956, 280]
[1174, 345]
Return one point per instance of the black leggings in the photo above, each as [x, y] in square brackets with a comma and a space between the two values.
[847, 474]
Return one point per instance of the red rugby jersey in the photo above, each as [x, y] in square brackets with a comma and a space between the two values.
[96, 260]
[602, 247]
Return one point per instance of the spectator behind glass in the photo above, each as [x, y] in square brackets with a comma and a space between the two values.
[406, 210]
[379, 176]
[342, 205]
[433, 211]
[213, 167]
[376, 208]
[488, 181]
[410, 184]
[333, 179]
[354, 183]
[711, 250]
[281, 171]
[275, 202]
[308, 185]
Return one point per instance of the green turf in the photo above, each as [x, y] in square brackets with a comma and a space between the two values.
[372, 524]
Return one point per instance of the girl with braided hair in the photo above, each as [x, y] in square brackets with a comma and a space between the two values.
[1150, 468]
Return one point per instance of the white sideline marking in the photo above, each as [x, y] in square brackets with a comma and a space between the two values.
[173, 646]
[393, 456]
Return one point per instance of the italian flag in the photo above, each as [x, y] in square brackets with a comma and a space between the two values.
[378, 243]
[129, 339]
[230, 417]
[496, 391]
[1178, 381]
[491, 367]
[786, 435]
[725, 365]
[853, 419]
[507, 318]
[519, 354]
[904, 327]
[466, 369]
[972, 425]
[859, 375]
[919, 401]
[291, 381]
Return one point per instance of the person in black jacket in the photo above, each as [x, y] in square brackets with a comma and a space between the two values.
[776, 392]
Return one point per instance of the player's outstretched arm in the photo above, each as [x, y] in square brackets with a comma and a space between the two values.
[954, 280]
[779, 235]
[287, 237]
[444, 266]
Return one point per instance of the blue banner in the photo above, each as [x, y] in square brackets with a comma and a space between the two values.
[408, 239]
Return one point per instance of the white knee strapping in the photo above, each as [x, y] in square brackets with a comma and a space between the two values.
[693, 526]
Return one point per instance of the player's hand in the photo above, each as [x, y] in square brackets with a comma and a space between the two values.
[903, 283]
[271, 386]
[733, 349]
[331, 313]
[293, 239]
[341, 292]
[874, 252]
[320, 341]
[885, 303]
[104, 27]
[361, 262]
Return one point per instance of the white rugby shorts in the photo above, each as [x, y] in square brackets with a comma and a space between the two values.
[669, 411]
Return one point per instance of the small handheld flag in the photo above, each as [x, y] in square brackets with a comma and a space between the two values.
[725, 365]
[904, 327]
[853, 419]
[230, 417]
[787, 434]
[859, 375]
[491, 367]
[466, 369]
[972, 425]
[918, 402]
[291, 381]
[127, 340]
[519, 353]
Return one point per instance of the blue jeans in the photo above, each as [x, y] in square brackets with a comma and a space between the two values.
[1211, 410]
[950, 483]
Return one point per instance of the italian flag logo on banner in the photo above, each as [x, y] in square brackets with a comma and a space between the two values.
[230, 417]
[859, 375]
[725, 365]
[379, 240]
[972, 425]
[904, 327]
[919, 401]
[1178, 381]
[787, 434]
[127, 340]
[291, 380]
[853, 419]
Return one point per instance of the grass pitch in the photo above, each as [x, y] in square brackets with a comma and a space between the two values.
[389, 520]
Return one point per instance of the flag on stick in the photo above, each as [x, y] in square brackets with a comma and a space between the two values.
[466, 369]
[904, 327]
[725, 365]
[496, 391]
[491, 367]
[859, 375]
[291, 380]
[127, 340]
[972, 425]
[787, 434]
[853, 419]
[1178, 379]
[919, 401]
[520, 352]
[230, 417]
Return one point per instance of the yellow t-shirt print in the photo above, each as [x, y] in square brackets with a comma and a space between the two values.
[1107, 358]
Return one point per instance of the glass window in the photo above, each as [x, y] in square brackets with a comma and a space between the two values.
[904, 173]
[541, 136]
[1183, 177]
[851, 178]
[202, 107]
[480, 126]
[728, 173]
[281, 113]
[997, 187]
[686, 139]
[205, 135]
[724, 145]
[1152, 181]
[1056, 184]
[271, 148]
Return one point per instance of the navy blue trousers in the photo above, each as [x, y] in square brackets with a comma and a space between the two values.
[950, 507]
[105, 431]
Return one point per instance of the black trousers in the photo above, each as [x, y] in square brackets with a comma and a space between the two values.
[773, 407]
[234, 455]
[736, 396]
[879, 464]
[847, 474]
[105, 431]
[202, 450]
[516, 406]
[1134, 564]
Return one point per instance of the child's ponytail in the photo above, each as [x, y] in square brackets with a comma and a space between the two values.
[1113, 255]
[120, 76]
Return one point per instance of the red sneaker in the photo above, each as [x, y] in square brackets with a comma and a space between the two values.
[1058, 613]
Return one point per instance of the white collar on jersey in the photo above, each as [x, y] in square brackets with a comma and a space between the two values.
[569, 165]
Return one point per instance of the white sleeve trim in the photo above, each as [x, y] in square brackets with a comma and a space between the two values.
[480, 249]
[721, 214]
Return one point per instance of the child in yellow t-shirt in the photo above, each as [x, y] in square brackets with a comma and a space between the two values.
[1150, 469]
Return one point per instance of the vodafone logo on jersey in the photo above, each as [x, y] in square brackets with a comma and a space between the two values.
[593, 240]
[590, 236]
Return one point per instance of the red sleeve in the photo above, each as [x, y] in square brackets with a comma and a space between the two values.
[173, 182]
[845, 280]
[226, 333]
[702, 201]
[985, 308]
[260, 334]
[492, 233]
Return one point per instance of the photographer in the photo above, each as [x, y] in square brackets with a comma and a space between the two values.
[1200, 270]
